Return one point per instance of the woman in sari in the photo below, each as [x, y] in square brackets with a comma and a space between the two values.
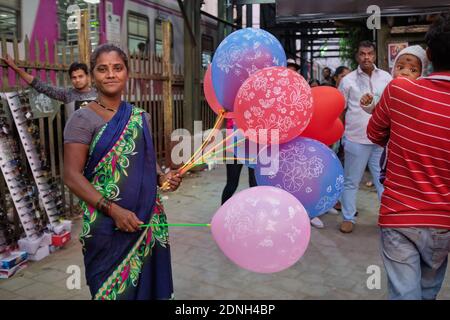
[110, 165]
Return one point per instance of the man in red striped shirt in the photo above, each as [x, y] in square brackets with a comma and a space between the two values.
[413, 116]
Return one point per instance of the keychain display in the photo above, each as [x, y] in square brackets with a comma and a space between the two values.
[47, 187]
[10, 231]
[6, 238]
[5, 230]
[21, 193]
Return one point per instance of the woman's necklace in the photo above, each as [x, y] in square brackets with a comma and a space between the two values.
[101, 105]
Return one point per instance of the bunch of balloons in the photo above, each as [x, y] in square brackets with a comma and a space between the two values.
[266, 228]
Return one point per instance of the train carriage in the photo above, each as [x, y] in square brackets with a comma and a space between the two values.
[134, 24]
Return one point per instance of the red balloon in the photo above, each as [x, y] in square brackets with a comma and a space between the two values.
[328, 103]
[273, 98]
[210, 95]
[328, 135]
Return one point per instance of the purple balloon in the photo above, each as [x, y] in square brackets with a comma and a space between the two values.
[262, 229]
[307, 169]
[238, 56]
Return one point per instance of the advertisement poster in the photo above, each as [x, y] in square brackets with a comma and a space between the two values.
[393, 51]
[112, 25]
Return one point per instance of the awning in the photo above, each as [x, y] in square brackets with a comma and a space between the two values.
[310, 10]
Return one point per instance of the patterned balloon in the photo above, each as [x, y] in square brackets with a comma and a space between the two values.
[262, 229]
[310, 171]
[238, 56]
[274, 98]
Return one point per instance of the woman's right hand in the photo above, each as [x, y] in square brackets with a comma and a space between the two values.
[124, 219]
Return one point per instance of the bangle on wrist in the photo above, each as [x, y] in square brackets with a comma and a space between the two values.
[104, 206]
[159, 183]
[97, 205]
[109, 208]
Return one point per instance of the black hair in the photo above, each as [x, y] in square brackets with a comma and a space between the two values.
[338, 72]
[314, 80]
[105, 48]
[366, 44]
[78, 66]
[141, 46]
[296, 66]
[438, 42]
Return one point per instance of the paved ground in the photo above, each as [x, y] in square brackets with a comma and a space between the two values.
[334, 266]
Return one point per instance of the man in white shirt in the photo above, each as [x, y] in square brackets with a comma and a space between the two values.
[359, 150]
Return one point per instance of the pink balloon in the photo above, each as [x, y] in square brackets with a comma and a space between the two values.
[210, 95]
[262, 229]
[274, 98]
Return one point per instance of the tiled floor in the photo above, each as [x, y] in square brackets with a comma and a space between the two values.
[334, 266]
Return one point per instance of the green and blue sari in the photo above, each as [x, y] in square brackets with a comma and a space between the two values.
[122, 167]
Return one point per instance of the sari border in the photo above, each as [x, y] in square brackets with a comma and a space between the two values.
[135, 112]
[113, 148]
[110, 280]
[159, 236]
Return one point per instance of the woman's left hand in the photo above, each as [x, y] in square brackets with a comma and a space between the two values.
[173, 178]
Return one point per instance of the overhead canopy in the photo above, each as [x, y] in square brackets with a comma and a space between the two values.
[309, 10]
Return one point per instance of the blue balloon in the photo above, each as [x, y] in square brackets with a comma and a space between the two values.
[307, 169]
[238, 56]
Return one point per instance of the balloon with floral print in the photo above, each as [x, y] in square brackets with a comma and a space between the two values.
[238, 56]
[307, 169]
[276, 103]
[262, 229]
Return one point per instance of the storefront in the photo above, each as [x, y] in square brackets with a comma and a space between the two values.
[396, 23]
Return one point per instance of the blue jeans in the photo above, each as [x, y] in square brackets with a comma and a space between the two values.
[356, 157]
[415, 260]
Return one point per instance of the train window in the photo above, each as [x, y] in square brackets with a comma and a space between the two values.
[159, 38]
[207, 50]
[10, 19]
[138, 33]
